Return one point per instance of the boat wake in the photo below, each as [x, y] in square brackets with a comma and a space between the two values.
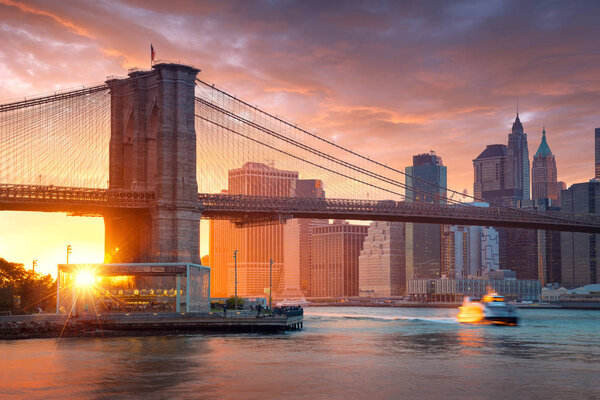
[442, 320]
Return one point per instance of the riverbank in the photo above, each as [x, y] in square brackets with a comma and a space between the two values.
[408, 304]
[143, 324]
[391, 304]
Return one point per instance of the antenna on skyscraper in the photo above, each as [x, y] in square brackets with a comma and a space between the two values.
[517, 106]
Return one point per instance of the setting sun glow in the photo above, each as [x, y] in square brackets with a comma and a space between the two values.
[84, 278]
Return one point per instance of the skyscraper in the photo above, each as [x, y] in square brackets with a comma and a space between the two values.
[517, 163]
[544, 175]
[517, 247]
[256, 245]
[382, 264]
[597, 155]
[469, 251]
[579, 251]
[490, 175]
[334, 261]
[427, 176]
[297, 243]
[546, 195]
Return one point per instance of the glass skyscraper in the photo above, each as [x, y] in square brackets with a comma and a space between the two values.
[428, 179]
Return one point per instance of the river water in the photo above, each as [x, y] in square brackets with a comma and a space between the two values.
[342, 353]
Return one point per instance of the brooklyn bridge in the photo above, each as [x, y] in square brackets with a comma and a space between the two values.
[150, 153]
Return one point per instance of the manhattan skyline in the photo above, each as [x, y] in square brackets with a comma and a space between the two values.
[390, 81]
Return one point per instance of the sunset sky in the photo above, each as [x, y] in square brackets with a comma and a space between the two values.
[411, 76]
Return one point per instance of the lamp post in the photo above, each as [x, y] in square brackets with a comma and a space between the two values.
[235, 276]
[68, 252]
[270, 275]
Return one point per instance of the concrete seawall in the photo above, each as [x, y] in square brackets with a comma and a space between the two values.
[143, 324]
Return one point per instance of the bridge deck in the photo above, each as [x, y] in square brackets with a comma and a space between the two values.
[241, 208]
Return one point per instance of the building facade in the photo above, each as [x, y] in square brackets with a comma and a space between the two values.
[453, 290]
[382, 264]
[428, 178]
[544, 174]
[490, 175]
[335, 251]
[255, 245]
[517, 163]
[297, 243]
[597, 153]
[469, 251]
[546, 195]
[580, 264]
[517, 247]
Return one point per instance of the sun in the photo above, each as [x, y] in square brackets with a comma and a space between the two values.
[84, 278]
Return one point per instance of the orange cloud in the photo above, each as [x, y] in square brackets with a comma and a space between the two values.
[28, 9]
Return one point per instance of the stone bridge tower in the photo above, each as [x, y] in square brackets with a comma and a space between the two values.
[153, 148]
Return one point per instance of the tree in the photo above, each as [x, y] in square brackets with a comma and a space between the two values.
[35, 290]
[231, 303]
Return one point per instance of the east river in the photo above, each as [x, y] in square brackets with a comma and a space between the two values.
[342, 353]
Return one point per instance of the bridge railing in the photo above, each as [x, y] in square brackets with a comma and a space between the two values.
[57, 194]
[215, 203]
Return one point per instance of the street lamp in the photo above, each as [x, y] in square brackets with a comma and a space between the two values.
[235, 276]
[68, 252]
[270, 275]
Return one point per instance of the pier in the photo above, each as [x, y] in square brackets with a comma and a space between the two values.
[145, 324]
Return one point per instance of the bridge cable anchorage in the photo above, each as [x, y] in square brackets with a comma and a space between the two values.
[293, 126]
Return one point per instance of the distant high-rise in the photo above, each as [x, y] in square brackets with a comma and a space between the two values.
[597, 155]
[334, 260]
[255, 245]
[544, 175]
[546, 195]
[469, 251]
[502, 176]
[382, 264]
[427, 176]
[297, 243]
[490, 175]
[579, 251]
[517, 163]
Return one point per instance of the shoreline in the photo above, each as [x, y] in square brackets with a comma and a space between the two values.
[444, 305]
[36, 326]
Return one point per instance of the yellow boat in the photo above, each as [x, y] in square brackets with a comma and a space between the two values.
[492, 309]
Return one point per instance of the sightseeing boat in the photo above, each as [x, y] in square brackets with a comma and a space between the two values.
[492, 309]
[293, 302]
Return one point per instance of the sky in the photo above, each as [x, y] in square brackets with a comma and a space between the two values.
[408, 76]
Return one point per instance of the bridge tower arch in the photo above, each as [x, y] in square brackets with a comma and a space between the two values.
[153, 148]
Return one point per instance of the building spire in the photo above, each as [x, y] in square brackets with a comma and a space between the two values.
[544, 149]
[517, 106]
[517, 127]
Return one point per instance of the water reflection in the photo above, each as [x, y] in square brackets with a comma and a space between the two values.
[470, 340]
[422, 354]
[150, 364]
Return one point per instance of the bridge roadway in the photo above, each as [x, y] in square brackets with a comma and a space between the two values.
[263, 209]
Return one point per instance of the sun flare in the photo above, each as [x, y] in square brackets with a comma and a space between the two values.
[84, 278]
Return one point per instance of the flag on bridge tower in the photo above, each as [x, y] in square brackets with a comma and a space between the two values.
[152, 53]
